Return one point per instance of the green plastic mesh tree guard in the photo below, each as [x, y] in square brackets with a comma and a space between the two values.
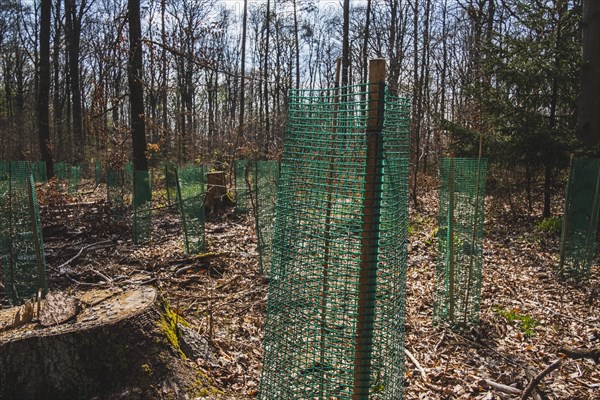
[62, 171]
[118, 189]
[242, 199]
[580, 220]
[142, 207]
[311, 342]
[38, 169]
[21, 244]
[171, 182]
[264, 180]
[190, 199]
[97, 172]
[457, 294]
[74, 178]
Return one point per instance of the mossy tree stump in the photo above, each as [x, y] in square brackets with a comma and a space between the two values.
[117, 344]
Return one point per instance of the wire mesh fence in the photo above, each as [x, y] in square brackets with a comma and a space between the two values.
[191, 191]
[580, 220]
[264, 180]
[457, 295]
[242, 197]
[315, 346]
[21, 243]
[142, 207]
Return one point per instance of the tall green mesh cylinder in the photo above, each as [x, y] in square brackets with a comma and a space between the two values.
[21, 243]
[310, 343]
[171, 182]
[142, 207]
[264, 181]
[580, 220]
[457, 295]
[242, 199]
[97, 172]
[118, 190]
[191, 192]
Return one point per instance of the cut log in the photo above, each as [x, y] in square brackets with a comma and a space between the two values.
[117, 342]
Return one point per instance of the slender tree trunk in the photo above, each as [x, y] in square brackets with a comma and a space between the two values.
[416, 99]
[136, 89]
[44, 87]
[365, 46]
[73, 30]
[241, 132]
[266, 76]
[588, 117]
[57, 102]
[346, 44]
[297, 44]
[549, 164]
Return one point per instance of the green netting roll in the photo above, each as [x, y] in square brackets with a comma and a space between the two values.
[242, 199]
[311, 339]
[191, 192]
[457, 295]
[21, 243]
[264, 180]
[142, 207]
[580, 220]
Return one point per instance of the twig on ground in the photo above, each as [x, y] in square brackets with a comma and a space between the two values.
[536, 381]
[417, 364]
[499, 386]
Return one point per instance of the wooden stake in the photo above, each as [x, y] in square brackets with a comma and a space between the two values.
[370, 232]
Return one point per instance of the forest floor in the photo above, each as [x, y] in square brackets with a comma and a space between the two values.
[526, 315]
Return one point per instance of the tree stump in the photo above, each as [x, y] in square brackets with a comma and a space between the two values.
[116, 345]
[216, 192]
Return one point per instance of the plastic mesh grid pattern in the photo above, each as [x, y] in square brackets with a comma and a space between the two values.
[264, 176]
[191, 192]
[21, 242]
[580, 220]
[457, 295]
[242, 199]
[311, 327]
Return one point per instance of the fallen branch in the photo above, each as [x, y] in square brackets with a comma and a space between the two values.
[530, 373]
[575, 353]
[59, 269]
[417, 364]
[499, 387]
[536, 381]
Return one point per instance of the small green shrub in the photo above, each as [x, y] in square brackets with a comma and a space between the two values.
[526, 322]
[551, 225]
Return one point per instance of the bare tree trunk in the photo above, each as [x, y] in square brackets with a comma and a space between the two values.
[44, 86]
[588, 117]
[346, 43]
[136, 89]
[265, 77]
[73, 30]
